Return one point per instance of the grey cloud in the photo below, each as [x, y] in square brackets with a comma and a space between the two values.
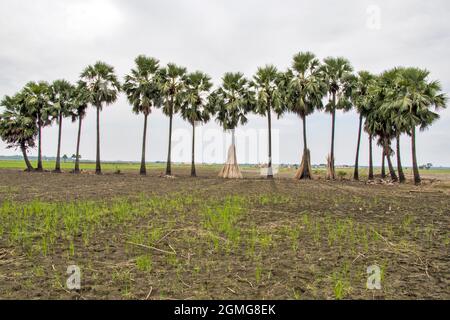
[50, 39]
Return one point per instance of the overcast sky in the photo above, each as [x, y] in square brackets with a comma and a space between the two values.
[52, 39]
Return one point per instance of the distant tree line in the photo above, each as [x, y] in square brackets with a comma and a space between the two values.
[396, 102]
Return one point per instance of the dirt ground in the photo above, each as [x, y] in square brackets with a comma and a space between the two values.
[153, 237]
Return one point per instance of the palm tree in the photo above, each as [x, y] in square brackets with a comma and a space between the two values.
[386, 90]
[195, 105]
[143, 92]
[400, 126]
[103, 87]
[381, 94]
[231, 103]
[61, 94]
[17, 128]
[305, 90]
[37, 101]
[361, 101]
[380, 121]
[415, 100]
[382, 127]
[268, 98]
[81, 99]
[172, 85]
[337, 74]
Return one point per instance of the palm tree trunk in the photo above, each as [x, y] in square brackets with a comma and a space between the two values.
[39, 163]
[25, 157]
[391, 167]
[98, 168]
[193, 173]
[332, 174]
[169, 164]
[143, 170]
[417, 179]
[383, 165]
[77, 155]
[233, 137]
[305, 166]
[371, 176]
[58, 152]
[356, 173]
[269, 166]
[401, 174]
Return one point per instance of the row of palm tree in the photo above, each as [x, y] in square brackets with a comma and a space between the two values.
[396, 102]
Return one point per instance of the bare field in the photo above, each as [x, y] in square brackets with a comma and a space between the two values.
[152, 237]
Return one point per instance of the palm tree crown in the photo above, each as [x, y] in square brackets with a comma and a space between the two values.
[306, 89]
[232, 101]
[16, 128]
[102, 83]
[173, 83]
[195, 102]
[142, 85]
[268, 92]
[337, 74]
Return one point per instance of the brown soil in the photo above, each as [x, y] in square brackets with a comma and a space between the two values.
[290, 243]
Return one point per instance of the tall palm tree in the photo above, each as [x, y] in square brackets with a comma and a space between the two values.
[17, 128]
[386, 90]
[380, 125]
[231, 103]
[305, 90]
[337, 74]
[361, 100]
[381, 93]
[143, 92]
[195, 105]
[173, 80]
[400, 126]
[38, 106]
[268, 98]
[61, 94]
[103, 86]
[415, 100]
[81, 99]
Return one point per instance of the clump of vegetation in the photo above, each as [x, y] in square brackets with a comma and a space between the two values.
[222, 218]
[144, 263]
